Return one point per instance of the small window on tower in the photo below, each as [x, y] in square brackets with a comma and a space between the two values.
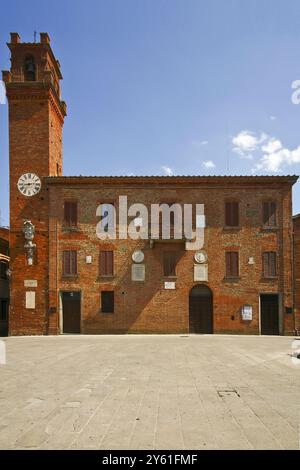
[29, 69]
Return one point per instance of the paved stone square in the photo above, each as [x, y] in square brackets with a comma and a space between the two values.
[149, 392]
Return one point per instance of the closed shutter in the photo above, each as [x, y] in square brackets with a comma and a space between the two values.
[232, 264]
[73, 262]
[169, 262]
[272, 264]
[69, 262]
[70, 213]
[269, 264]
[106, 263]
[232, 214]
[269, 214]
[66, 262]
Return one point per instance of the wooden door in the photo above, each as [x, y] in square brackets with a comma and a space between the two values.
[71, 312]
[200, 310]
[269, 314]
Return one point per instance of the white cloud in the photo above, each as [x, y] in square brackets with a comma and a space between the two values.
[246, 142]
[2, 92]
[276, 157]
[271, 146]
[271, 156]
[273, 118]
[167, 170]
[199, 143]
[208, 164]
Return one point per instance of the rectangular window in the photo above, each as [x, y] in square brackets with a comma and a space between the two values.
[269, 264]
[106, 267]
[231, 214]
[70, 263]
[269, 214]
[107, 301]
[70, 213]
[232, 264]
[169, 258]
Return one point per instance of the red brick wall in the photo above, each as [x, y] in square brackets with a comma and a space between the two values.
[148, 307]
[35, 128]
[296, 222]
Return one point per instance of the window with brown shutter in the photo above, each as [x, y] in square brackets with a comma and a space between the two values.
[106, 263]
[70, 214]
[69, 263]
[269, 214]
[169, 260]
[107, 302]
[232, 214]
[232, 264]
[269, 264]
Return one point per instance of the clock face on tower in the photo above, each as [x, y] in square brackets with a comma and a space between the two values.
[29, 184]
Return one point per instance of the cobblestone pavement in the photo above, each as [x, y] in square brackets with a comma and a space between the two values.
[150, 392]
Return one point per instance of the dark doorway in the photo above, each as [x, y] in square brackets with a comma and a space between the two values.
[201, 310]
[71, 312]
[3, 317]
[269, 314]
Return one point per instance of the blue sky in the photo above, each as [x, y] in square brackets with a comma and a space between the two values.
[169, 86]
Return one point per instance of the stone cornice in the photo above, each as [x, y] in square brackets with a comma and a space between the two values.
[202, 181]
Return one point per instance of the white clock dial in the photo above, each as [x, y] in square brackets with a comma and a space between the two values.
[29, 184]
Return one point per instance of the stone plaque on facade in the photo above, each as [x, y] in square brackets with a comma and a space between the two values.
[170, 285]
[30, 300]
[138, 272]
[30, 283]
[200, 272]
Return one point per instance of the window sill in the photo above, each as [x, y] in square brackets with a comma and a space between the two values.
[233, 228]
[269, 278]
[169, 278]
[106, 313]
[269, 229]
[70, 229]
[232, 279]
[68, 277]
[108, 277]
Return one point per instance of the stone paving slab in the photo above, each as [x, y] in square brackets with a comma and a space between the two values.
[149, 392]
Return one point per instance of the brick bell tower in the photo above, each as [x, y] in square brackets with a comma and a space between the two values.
[36, 117]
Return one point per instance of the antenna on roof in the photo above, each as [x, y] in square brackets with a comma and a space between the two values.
[227, 148]
[34, 36]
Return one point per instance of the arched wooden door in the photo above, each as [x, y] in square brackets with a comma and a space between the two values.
[201, 309]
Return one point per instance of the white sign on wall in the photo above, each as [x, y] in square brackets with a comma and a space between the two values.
[200, 272]
[30, 300]
[170, 285]
[247, 312]
[138, 272]
[30, 283]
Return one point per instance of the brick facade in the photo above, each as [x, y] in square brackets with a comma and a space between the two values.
[36, 116]
[296, 224]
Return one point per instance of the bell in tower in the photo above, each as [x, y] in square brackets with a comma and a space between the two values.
[29, 69]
